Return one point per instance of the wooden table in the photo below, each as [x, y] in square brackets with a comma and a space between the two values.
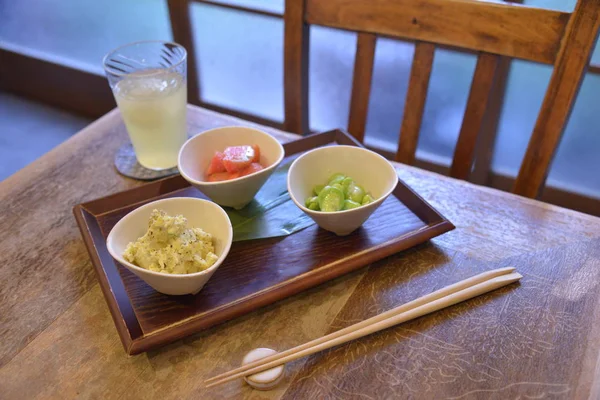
[539, 338]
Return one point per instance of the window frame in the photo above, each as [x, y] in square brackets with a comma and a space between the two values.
[39, 79]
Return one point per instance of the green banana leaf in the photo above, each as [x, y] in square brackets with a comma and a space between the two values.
[272, 213]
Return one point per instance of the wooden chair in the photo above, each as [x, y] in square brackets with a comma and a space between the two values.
[494, 30]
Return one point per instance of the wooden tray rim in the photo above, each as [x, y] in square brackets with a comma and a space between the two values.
[130, 332]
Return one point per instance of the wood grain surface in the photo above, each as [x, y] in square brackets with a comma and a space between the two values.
[530, 333]
[57, 338]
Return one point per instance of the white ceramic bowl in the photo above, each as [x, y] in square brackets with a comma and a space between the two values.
[200, 214]
[368, 169]
[196, 153]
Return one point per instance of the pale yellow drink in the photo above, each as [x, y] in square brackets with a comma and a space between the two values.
[153, 105]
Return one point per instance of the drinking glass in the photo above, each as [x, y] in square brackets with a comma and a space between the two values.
[149, 82]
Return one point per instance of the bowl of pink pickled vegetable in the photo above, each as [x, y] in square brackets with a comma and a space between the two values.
[230, 164]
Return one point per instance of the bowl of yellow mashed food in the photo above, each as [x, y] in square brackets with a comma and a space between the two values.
[174, 245]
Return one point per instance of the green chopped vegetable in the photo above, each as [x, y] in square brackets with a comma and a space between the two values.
[317, 189]
[309, 200]
[340, 193]
[347, 182]
[367, 199]
[313, 203]
[336, 178]
[355, 193]
[349, 204]
[338, 186]
[331, 199]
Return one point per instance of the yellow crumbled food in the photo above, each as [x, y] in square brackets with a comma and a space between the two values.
[171, 247]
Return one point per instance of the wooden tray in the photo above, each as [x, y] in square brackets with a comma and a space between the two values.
[256, 272]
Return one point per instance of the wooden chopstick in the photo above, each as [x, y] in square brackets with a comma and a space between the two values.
[442, 298]
[380, 317]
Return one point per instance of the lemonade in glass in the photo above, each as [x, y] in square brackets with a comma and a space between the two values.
[148, 80]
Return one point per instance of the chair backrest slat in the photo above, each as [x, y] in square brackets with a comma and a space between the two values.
[572, 61]
[506, 29]
[181, 25]
[481, 87]
[361, 84]
[295, 85]
[414, 105]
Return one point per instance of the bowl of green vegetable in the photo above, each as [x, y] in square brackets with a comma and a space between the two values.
[339, 187]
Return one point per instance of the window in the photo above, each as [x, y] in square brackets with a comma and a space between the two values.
[240, 59]
[80, 32]
[330, 77]
[239, 56]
